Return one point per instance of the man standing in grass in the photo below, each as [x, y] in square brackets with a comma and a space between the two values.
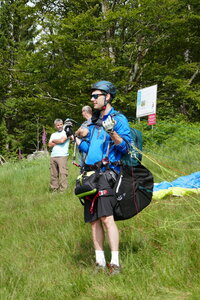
[104, 147]
[58, 162]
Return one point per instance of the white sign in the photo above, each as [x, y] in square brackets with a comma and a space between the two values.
[146, 101]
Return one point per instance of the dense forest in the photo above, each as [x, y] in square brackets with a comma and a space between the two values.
[51, 51]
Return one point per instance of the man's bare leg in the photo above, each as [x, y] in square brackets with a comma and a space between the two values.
[98, 241]
[113, 238]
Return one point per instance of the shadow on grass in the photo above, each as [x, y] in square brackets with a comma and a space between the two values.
[84, 253]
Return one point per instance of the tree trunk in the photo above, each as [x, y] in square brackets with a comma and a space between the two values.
[109, 31]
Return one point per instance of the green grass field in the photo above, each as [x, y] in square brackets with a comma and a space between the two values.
[47, 253]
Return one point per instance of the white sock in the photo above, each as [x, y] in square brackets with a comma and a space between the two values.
[100, 258]
[115, 258]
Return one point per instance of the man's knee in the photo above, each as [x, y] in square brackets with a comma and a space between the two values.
[95, 223]
[107, 221]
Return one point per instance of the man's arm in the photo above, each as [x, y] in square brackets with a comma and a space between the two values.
[118, 131]
[115, 137]
[51, 144]
[59, 141]
[54, 142]
[82, 132]
[76, 140]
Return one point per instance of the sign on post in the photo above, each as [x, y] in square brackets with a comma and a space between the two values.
[146, 101]
[152, 119]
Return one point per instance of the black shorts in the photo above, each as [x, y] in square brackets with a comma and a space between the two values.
[103, 205]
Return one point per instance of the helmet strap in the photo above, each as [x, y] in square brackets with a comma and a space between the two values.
[105, 103]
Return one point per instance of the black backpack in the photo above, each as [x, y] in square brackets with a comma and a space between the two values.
[133, 190]
[134, 186]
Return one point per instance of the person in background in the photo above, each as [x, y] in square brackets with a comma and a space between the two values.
[58, 162]
[82, 132]
[104, 147]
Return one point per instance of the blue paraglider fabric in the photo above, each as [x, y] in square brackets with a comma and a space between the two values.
[191, 181]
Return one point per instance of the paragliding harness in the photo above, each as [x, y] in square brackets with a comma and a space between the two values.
[133, 191]
[132, 187]
[93, 184]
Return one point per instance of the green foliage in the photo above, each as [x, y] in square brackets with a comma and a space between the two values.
[51, 52]
[3, 138]
[167, 133]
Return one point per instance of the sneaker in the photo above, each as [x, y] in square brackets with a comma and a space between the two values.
[99, 268]
[113, 269]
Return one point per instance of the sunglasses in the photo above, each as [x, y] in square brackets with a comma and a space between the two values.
[96, 96]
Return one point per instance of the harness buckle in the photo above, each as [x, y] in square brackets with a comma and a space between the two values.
[103, 192]
[105, 161]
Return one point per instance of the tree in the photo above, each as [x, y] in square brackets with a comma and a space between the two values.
[17, 28]
[52, 51]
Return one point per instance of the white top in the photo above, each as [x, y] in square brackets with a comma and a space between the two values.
[60, 149]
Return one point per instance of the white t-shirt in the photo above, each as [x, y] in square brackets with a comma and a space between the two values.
[60, 149]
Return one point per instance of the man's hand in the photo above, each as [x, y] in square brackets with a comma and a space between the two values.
[67, 123]
[51, 144]
[109, 124]
[68, 127]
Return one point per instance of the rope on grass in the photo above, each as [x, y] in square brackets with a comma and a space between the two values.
[160, 164]
[171, 158]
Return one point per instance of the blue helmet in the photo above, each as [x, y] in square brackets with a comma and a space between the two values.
[105, 86]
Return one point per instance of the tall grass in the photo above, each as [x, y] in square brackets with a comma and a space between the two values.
[47, 252]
